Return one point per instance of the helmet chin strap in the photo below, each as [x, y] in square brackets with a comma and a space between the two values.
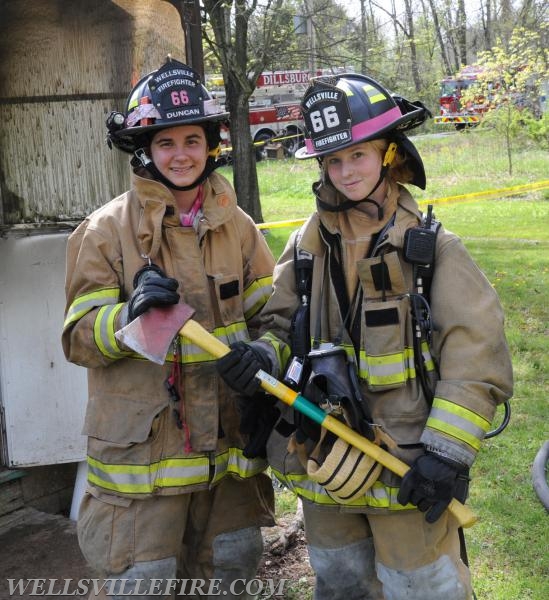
[141, 159]
[347, 204]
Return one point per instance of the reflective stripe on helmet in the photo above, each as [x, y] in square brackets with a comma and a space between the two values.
[366, 129]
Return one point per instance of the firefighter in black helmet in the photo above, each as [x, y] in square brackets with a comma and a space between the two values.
[407, 346]
[170, 490]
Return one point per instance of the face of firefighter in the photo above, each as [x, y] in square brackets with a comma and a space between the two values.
[354, 172]
[180, 153]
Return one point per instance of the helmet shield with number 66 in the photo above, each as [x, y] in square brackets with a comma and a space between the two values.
[345, 109]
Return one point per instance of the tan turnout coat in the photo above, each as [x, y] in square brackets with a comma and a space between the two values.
[469, 347]
[224, 270]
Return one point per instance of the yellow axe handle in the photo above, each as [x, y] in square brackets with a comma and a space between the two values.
[201, 337]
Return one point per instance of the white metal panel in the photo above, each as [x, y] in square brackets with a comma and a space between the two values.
[43, 397]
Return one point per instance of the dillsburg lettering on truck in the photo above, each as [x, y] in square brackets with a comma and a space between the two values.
[283, 78]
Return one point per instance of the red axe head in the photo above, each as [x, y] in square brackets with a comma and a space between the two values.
[152, 333]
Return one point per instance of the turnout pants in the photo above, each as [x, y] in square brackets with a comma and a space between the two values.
[385, 556]
[208, 535]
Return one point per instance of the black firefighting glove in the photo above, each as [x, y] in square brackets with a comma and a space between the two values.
[258, 416]
[239, 366]
[151, 288]
[431, 483]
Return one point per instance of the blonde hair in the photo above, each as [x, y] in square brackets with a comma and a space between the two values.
[399, 169]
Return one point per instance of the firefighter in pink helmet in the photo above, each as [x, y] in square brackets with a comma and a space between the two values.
[380, 316]
[170, 492]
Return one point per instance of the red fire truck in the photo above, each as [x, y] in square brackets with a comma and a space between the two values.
[276, 123]
[452, 110]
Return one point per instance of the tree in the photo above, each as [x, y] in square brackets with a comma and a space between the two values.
[241, 64]
[250, 36]
[511, 77]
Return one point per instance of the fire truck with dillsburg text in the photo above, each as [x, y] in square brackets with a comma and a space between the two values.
[275, 115]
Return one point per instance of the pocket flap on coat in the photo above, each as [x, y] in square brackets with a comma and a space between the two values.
[121, 420]
[382, 275]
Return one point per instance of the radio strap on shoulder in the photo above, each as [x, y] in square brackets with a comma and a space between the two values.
[300, 329]
[419, 250]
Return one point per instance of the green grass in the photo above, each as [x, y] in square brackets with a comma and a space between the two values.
[509, 238]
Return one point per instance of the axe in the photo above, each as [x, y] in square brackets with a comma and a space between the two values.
[152, 333]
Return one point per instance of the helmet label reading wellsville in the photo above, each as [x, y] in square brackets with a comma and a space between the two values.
[327, 116]
[177, 92]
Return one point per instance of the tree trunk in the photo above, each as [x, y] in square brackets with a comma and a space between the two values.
[486, 18]
[233, 51]
[244, 167]
[363, 33]
[412, 44]
[462, 32]
[443, 50]
[451, 37]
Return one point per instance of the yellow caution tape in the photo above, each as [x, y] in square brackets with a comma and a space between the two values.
[509, 191]
[277, 224]
[267, 141]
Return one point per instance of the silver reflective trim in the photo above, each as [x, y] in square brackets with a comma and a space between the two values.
[457, 421]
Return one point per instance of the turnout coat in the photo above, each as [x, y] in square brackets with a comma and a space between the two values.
[224, 270]
[468, 361]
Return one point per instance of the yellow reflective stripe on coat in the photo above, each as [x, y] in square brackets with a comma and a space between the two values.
[378, 496]
[234, 462]
[457, 422]
[391, 369]
[170, 472]
[86, 302]
[103, 331]
[256, 295]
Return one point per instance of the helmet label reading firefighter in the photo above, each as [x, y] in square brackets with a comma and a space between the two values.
[331, 112]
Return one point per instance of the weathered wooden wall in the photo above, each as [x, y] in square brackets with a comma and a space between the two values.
[64, 65]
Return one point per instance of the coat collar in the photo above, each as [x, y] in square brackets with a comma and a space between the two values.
[407, 215]
[158, 209]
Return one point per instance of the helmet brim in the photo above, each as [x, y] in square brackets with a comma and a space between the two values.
[414, 160]
[133, 133]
